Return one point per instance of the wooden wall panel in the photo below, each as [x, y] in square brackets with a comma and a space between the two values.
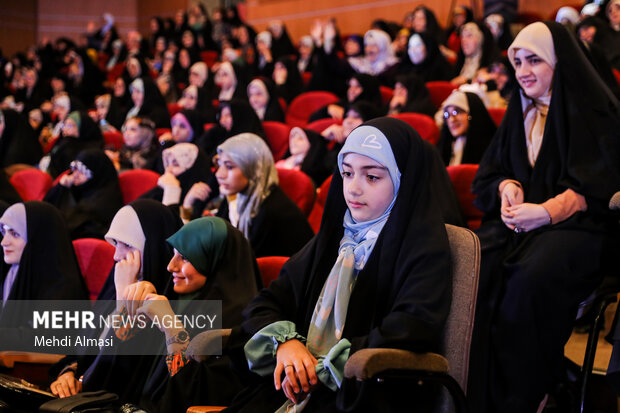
[355, 16]
[18, 25]
[69, 18]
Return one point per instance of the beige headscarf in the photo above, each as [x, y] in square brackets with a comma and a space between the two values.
[537, 38]
[472, 62]
[184, 153]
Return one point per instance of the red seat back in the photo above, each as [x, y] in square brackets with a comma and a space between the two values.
[277, 135]
[439, 91]
[136, 182]
[423, 124]
[319, 205]
[299, 187]
[462, 177]
[96, 259]
[209, 57]
[305, 78]
[386, 94]
[161, 131]
[304, 105]
[497, 114]
[454, 42]
[115, 72]
[47, 147]
[174, 108]
[113, 139]
[320, 125]
[31, 184]
[270, 268]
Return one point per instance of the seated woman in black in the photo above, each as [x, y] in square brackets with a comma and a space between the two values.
[89, 195]
[18, 143]
[411, 96]
[265, 101]
[361, 88]
[148, 102]
[467, 129]
[307, 151]
[138, 232]
[376, 275]
[544, 184]
[254, 202]
[211, 261]
[234, 117]
[140, 150]
[187, 126]
[184, 164]
[287, 79]
[39, 262]
[424, 59]
[79, 132]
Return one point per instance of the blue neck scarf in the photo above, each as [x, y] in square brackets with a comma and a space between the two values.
[357, 244]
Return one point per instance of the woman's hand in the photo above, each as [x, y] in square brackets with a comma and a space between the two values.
[199, 190]
[168, 179]
[335, 111]
[134, 295]
[66, 385]
[334, 133]
[156, 307]
[296, 398]
[126, 272]
[526, 217]
[67, 180]
[512, 194]
[294, 360]
[397, 100]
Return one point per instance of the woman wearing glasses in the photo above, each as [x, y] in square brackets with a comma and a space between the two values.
[467, 129]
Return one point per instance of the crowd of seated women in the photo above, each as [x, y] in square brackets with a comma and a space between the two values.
[190, 100]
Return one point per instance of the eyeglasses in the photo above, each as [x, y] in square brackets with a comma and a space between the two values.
[454, 112]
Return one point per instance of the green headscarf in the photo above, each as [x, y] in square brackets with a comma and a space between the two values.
[75, 117]
[202, 242]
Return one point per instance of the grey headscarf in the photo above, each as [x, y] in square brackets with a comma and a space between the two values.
[252, 155]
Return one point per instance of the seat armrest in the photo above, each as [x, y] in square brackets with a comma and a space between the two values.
[368, 362]
[207, 344]
[205, 409]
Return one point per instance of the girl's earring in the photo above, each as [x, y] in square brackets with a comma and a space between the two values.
[468, 117]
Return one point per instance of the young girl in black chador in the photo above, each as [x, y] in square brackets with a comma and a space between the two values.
[376, 275]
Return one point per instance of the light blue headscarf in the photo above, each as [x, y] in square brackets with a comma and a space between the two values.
[359, 239]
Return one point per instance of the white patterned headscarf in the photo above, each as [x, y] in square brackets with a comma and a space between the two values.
[250, 153]
[385, 59]
[184, 153]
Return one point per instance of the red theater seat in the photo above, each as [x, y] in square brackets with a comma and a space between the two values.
[31, 184]
[304, 105]
[113, 139]
[299, 187]
[439, 91]
[319, 204]
[136, 182]
[462, 177]
[270, 268]
[96, 259]
[423, 124]
[277, 135]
